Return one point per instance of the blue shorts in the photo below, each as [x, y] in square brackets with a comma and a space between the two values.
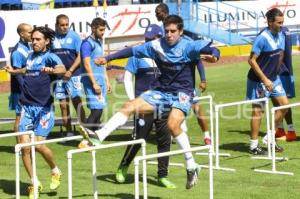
[95, 101]
[162, 100]
[256, 90]
[288, 84]
[14, 103]
[37, 118]
[66, 89]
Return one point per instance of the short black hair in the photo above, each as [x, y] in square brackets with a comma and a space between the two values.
[271, 14]
[98, 22]
[164, 7]
[174, 19]
[61, 16]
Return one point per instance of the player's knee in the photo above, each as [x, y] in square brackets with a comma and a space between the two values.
[26, 151]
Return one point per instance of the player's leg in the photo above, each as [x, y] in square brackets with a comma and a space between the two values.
[138, 106]
[202, 121]
[143, 126]
[163, 137]
[43, 125]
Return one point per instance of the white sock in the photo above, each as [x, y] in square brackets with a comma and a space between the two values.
[291, 127]
[206, 134]
[253, 144]
[112, 124]
[183, 126]
[32, 180]
[280, 125]
[183, 142]
[55, 170]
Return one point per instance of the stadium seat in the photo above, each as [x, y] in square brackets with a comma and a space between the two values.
[62, 3]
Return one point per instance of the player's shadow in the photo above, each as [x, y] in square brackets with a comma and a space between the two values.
[9, 187]
[237, 146]
[7, 149]
[246, 132]
[118, 195]
[129, 179]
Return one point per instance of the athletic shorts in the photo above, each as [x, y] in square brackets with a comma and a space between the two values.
[66, 89]
[95, 101]
[288, 84]
[256, 90]
[37, 118]
[162, 100]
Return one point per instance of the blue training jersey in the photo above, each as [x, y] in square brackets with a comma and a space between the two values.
[287, 67]
[67, 47]
[176, 63]
[145, 71]
[37, 86]
[92, 48]
[18, 58]
[269, 48]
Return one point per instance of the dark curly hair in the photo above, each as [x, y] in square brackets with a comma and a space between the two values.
[47, 32]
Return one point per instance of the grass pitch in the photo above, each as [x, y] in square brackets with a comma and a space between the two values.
[226, 84]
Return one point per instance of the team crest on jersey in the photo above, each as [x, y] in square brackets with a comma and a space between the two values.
[44, 122]
[183, 98]
[178, 52]
[69, 40]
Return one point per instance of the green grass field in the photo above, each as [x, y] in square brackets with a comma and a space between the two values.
[226, 84]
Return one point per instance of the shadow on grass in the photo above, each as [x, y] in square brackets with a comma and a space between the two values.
[129, 179]
[8, 187]
[118, 195]
[7, 149]
[239, 146]
[246, 132]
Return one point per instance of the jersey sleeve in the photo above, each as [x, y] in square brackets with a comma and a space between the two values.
[145, 50]
[258, 44]
[53, 60]
[85, 49]
[77, 42]
[132, 65]
[18, 61]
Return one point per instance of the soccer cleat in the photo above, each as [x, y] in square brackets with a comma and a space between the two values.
[90, 136]
[291, 136]
[257, 151]
[70, 134]
[277, 148]
[165, 182]
[31, 191]
[83, 144]
[121, 174]
[192, 177]
[55, 181]
[207, 141]
[280, 134]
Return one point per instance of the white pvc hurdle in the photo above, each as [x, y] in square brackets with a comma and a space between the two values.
[211, 120]
[274, 171]
[170, 153]
[93, 149]
[18, 148]
[15, 134]
[220, 106]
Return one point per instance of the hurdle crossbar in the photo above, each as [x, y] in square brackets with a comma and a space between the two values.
[170, 153]
[274, 171]
[93, 149]
[18, 148]
[220, 106]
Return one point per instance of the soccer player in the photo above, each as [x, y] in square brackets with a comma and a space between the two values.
[287, 79]
[175, 56]
[66, 45]
[18, 58]
[263, 80]
[37, 112]
[161, 12]
[94, 78]
[145, 72]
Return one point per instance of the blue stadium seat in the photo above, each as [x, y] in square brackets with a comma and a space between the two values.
[62, 3]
